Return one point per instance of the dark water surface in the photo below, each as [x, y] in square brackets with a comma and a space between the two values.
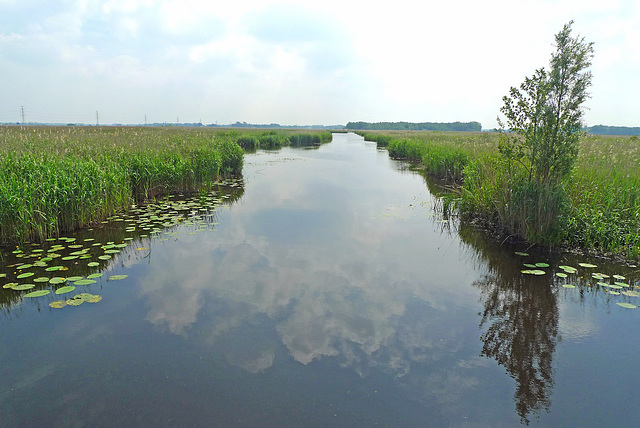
[327, 294]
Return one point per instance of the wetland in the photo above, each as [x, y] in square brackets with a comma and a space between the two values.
[320, 289]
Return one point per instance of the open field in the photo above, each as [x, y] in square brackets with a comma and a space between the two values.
[598, 206]
[55, 179]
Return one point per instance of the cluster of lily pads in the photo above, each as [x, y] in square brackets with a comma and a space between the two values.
[601, 278]
[47, 265]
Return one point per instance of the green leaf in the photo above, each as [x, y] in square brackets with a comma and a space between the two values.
[587, 265]
[117, 277]
[58, 304]
[627, 305]
[37, 293]
[65, 289]
[25, 275]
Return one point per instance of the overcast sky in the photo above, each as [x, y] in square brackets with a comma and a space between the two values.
[301, 62]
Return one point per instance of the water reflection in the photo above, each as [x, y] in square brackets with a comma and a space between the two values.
[520, 322]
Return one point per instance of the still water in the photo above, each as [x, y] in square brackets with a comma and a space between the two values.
[324, 292]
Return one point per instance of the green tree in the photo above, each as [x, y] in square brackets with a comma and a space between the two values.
[544, 116]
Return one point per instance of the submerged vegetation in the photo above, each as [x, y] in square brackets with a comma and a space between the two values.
[56, 179]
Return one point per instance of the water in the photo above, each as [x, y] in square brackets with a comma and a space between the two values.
[326, 293]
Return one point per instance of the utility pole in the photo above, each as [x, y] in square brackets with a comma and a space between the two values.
[22, 109]
[97, 119]
[145, 120]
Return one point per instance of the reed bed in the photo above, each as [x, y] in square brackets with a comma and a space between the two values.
[597, 209]
[55, 179]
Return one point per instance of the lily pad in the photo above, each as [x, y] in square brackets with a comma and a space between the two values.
[25, 275]
[74, 302]
[93, 264]
[619, 277]
[57, 280]
[95, 299]
[74, 278]
[9, 285]
[65, 289]
[621, 284]
[587, 265]
[529, 265]
[21, 287]
[58, 304]
[631, 293]
[94, 275]
[53, 268]
[615, 287]
[69, 258]
[117, 277]
[561, 275]
[41, 279]
[84, 282]
[534, 272]
[615, 293]
[104, 257]
[520, 253]
[568, 286]
[542, 265]
[627, 305]
[37, 293]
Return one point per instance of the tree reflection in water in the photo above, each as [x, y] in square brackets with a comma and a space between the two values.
[521, 320]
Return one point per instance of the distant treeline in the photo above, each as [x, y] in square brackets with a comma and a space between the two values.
[422, 126]
[613, 130]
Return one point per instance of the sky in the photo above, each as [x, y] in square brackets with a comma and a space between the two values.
[301, 62]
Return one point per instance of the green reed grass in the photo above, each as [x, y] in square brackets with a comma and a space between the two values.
[54, 179]
[596, 209]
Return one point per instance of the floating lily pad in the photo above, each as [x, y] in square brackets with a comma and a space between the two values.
[614, 286]
[568, 286]
[65, 289]
[615, 293]
[587, 265]
[21, 287]
[58, 304]
[529, 265]
[74, 278]
[74, 302]
[94, 275]
[619, 277]
[117, 277]
[142, 248]
[631, 293]
[568, 269]
[542, 265]
[37, 293]
[93, 264]
[41, 279]
[53, 268]
[104, 257]
[534, 272]
[621, 284]
[95, 299]
[69, 258]
[9, 285]
[84, 282]
[84, 296]
[25, 275]
[627, 305]
[561, 275]
[57, 280]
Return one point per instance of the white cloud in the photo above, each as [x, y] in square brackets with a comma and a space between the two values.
[324, 63]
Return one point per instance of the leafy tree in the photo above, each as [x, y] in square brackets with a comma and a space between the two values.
[544, 116]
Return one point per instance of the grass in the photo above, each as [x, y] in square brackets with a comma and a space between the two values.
[597, 209]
